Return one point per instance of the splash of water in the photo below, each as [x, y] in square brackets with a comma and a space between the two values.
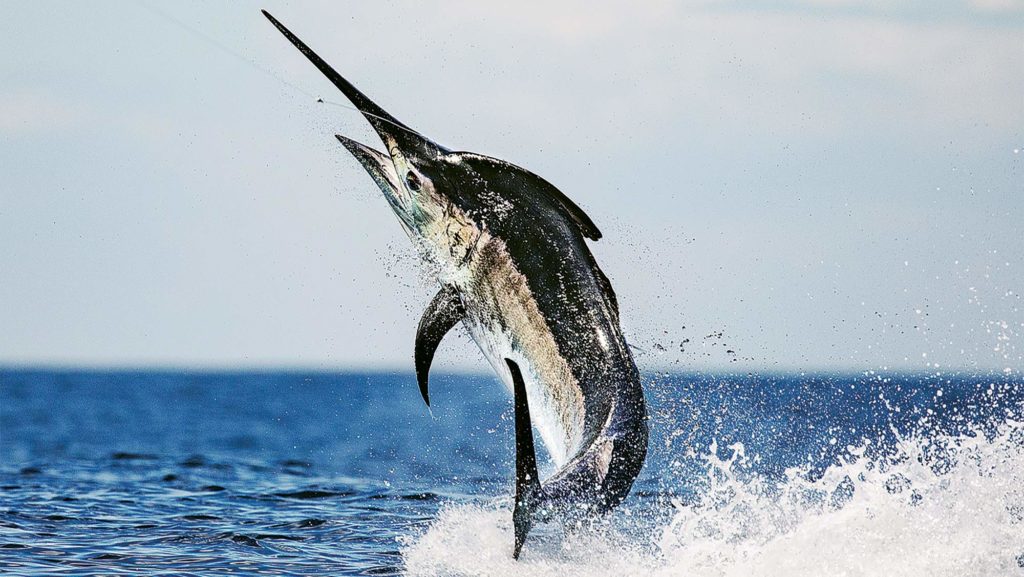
[928, 505]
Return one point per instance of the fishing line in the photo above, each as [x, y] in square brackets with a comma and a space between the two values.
[252, 63]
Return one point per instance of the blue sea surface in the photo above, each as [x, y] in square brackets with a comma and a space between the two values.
[288, 473]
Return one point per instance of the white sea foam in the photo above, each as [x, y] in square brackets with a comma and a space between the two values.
[932, 507]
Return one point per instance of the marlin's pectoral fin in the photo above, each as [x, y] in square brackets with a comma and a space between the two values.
[527, 479]
[443, 313]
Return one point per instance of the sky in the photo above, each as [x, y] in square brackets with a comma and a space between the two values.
[809, 185]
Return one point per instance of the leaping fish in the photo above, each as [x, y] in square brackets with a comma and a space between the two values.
[510, 253]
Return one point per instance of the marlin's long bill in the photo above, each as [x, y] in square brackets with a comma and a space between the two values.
[386, 125]
[369, 109]
[510, 252]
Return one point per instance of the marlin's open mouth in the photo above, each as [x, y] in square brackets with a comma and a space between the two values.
[382, 170]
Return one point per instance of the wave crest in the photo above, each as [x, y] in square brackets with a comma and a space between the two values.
[926, 505]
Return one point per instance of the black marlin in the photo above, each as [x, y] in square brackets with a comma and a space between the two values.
[510, 252]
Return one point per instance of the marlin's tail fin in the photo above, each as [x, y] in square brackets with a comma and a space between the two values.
[527, 480]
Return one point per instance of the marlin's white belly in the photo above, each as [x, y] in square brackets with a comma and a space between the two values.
[504, 320]
[559, 423]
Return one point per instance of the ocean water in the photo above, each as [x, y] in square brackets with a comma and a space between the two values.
[187, 473]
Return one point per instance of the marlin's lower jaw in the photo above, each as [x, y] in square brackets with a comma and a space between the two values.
[381, 169]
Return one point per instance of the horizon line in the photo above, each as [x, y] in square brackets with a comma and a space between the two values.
[9, 368]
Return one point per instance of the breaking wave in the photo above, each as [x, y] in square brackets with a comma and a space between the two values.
[923, 505]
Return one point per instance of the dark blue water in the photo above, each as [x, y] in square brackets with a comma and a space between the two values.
[155, 473]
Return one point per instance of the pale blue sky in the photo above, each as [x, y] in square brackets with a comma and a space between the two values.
[831, 184]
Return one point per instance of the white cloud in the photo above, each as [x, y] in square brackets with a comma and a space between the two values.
[30, 113]
[997, 5]
[734, 66]
[569, 21]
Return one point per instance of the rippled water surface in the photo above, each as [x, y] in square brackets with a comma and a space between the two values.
[347, 474]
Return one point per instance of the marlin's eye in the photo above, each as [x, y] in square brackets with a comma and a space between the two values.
[413, 181]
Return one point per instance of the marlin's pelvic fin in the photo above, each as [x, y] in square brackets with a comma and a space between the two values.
[444, 312]
[527, 480]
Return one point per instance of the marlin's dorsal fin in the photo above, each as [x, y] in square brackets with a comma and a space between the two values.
[517, 179]
[444, 312]
[606, 286]
[527, 479]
